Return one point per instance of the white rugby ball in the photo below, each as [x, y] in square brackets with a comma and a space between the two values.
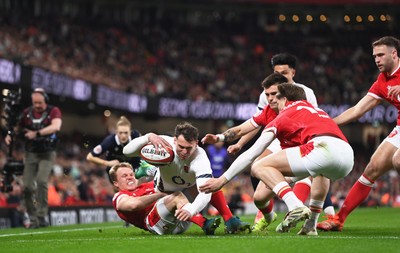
[156, 156]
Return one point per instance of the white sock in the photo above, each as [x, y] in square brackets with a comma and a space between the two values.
[316, 208]
[151, 171]
[290, 199]
[329, 210]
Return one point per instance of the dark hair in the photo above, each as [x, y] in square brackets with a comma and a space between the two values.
[388, 41]
[284, 59]
[291, 92]
[274, 78]
[189, 132]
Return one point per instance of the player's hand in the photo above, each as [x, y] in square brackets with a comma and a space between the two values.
[234, 149]
[394, 91]
[182, 214]
[213, 184]
[209, 139]
[158, 141]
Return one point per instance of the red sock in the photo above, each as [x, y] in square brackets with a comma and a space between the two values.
[268, 208]
[219, 202]
[301, 190]
[357, 194]
[198, 219]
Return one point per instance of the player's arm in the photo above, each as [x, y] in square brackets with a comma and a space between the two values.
[233, 149]
[241, 163]
[201, 200]
[364, 105]
[231, 134]
[130, 203]
[132, 149]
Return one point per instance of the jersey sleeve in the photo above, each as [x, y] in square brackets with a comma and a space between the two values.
[55, 113]
[264, 117]
[246, 159]
[103, 146]
[262, 101]
[134, 146]
[202, 168]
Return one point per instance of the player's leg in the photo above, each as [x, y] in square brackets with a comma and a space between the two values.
[302, 189]
[378, 165]
[271, 171]
[232, 224]
[329, 210]
[319, 189]
[161, 219]
[207, 225]
[263, 199]
[275, 146]
[145, 170]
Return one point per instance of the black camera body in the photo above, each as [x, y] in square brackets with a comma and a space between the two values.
[11, 169]
[12, 112]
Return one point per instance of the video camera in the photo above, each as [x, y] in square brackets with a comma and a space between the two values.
[12, 111]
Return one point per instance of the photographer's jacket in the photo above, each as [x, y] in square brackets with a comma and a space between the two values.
[35, 121]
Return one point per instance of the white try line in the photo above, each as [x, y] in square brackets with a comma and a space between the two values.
[55, 231]
[180, 237]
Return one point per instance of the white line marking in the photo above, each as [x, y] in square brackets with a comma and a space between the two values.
[169, 237]
[56, 231]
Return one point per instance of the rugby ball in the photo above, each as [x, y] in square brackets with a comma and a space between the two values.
[156, 156]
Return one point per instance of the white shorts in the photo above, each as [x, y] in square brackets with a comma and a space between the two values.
[394, 137]
[275, 146]
[324, 155]
[160, 221]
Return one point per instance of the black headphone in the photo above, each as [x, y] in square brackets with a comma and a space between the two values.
[44, 94]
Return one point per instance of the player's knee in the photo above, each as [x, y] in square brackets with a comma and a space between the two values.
[255, 169]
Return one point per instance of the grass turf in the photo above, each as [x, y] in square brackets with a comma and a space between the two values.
[366, 230]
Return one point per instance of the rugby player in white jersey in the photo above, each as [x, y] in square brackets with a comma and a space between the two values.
[189, 169]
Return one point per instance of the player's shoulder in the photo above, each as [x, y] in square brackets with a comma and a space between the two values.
[111, 138]
[135, 133]
[200, 155]
[306, 88]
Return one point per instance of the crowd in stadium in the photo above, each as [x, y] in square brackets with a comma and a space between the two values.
[187, 60]
[167, 57]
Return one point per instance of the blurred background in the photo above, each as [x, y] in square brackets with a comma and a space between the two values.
[163, 62]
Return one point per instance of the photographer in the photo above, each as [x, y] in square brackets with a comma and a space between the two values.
[39, 124]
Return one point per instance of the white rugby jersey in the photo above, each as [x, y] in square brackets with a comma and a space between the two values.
[262, 101]
[179, 174]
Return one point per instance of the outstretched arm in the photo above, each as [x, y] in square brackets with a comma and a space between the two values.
[241, 163]
[132, 149]
[231, 134]
[130, 203]
[235, 148]
[364, 105]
